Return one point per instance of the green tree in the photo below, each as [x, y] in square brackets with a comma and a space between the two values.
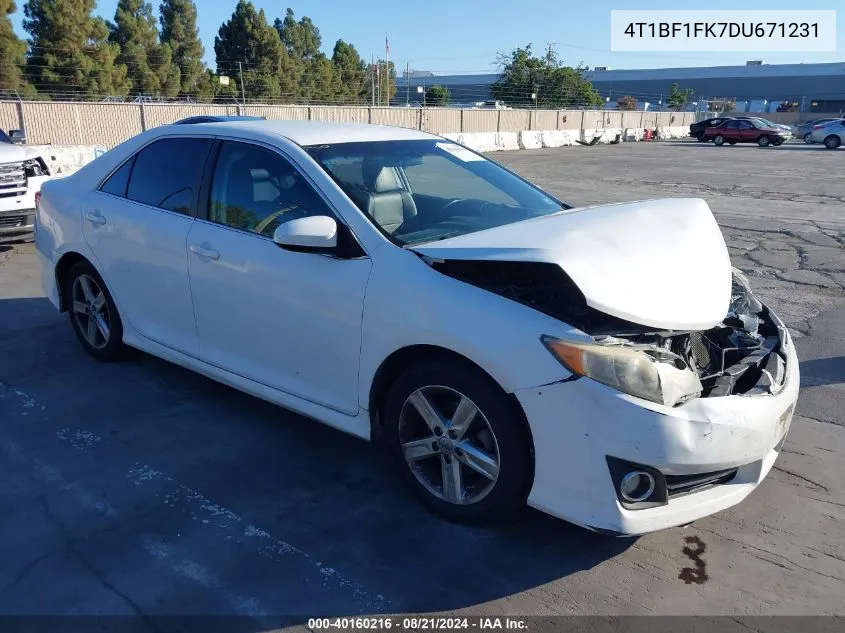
[678, 98]
[351, 73]
[12, 50]
[437, 96]
[70, 54]
[626, 103]
[248, 41]
[179, 30]
[149, 63]
[301, 39]
[554, 84]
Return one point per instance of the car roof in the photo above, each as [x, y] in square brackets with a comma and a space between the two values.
[214, 118]
[313, 132]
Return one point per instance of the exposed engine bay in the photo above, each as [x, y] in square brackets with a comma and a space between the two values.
[740, 355]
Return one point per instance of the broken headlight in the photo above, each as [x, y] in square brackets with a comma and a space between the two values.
[647, 372]
[35, 167]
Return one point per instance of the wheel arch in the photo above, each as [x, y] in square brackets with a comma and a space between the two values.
[403, 357]
[62, 269]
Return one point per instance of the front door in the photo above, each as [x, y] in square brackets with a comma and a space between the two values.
[137, 225]
[289, 320]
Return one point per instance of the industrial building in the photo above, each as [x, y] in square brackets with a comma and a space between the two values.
[755, 87]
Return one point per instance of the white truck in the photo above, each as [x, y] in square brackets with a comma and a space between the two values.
[22, 172]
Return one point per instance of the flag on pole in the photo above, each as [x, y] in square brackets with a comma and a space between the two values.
[386, 45]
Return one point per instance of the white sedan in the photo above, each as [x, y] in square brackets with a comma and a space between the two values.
[602, 364]
[831, 133]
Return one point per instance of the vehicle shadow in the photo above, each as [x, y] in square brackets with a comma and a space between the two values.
[803, 147]
[823, 371]
[334, 498]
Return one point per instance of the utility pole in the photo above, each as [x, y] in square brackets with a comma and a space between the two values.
[387, 67]
[549, 55]
[243, 89]
[407, 84]
[373, 77]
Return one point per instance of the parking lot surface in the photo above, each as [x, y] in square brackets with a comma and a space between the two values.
[141, 488]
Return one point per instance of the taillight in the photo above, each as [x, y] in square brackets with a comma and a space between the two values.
[37, 199]
[818, 127]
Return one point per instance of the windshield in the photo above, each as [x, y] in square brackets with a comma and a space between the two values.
[4, 138]
[419, 191]
[761, 124]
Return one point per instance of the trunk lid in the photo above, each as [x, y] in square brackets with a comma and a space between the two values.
[660, 263]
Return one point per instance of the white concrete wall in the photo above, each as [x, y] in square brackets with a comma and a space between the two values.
[66, 159]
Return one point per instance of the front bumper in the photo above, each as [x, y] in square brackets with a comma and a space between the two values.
[577, 424]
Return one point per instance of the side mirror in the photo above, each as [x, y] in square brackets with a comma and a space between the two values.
[17, 136]
[316, 233]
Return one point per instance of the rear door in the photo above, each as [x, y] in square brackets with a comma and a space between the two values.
[730, 131]
[137, 225]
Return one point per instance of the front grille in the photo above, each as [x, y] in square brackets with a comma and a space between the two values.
[12, 180]
[678, 485]
[12, 221]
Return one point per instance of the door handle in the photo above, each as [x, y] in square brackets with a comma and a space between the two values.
[204, 251]
[96, 218]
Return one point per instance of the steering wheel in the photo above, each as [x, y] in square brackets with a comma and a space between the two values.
[259, 228]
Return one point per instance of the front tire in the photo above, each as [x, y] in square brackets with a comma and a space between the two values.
[832, 142]
[93, 314]
[808, 138]
[459, 441]
[700, 137]
[763, 141]
[719, 140]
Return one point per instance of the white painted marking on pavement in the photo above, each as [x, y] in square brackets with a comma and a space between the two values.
[233, 527]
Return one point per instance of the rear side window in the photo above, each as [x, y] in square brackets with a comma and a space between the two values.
[166, 173]
[119, 180]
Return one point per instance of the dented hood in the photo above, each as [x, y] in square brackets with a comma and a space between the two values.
[660, 263]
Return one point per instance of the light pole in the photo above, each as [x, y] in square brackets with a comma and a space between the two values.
[421, 90]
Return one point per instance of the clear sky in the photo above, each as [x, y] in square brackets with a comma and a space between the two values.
[450, 36]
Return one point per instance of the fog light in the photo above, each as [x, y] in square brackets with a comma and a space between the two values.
[636, 486]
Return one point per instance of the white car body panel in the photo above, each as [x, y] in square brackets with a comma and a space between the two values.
[141, 251]
[670, 287]
[309, 332]
[297, 315]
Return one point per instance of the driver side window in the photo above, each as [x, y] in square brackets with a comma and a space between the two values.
[255, 189]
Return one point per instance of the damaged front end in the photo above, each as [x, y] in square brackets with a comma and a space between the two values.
[740, 355]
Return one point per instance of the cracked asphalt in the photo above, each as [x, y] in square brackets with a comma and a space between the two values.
[143, 489]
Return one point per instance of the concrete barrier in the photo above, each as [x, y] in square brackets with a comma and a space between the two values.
[633, 134]
[530, 139]
[507, 140]
[479, 141]
[559, 138]
[673, 131]
[66, 159]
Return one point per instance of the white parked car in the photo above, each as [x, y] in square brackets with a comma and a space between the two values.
[22, 172]
[832, 133]
[506, 348]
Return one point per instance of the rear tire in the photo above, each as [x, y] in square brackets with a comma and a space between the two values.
[764, 141]
[700, 137]
[434, 455]
[832, 142]
[719, 140]
[93, 314]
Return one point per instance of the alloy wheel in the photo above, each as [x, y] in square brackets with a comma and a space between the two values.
[808, 139]
[449, 445]
[91, 311]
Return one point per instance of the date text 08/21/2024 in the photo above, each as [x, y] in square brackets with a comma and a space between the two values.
[420, 623]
